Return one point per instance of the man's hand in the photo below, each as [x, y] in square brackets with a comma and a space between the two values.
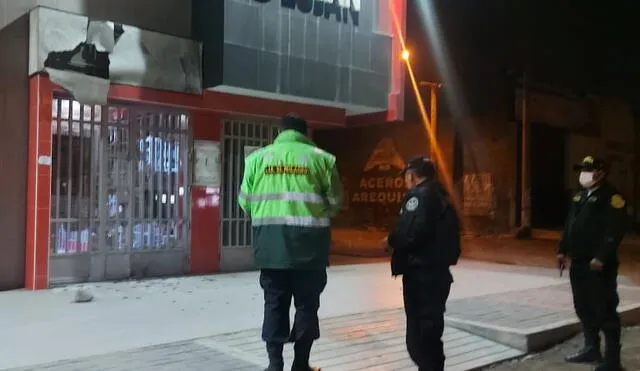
[563, 261]
[385, 245]
[596, 265]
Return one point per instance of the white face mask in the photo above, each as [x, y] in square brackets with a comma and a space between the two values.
[586, 179]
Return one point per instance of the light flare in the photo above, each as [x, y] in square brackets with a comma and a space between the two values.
[442, 167]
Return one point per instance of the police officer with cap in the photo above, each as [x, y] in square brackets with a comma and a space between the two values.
[425, 242]
[594, 229]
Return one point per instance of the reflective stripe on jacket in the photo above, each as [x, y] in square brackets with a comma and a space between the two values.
[291, 189]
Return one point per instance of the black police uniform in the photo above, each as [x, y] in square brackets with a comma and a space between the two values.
[419, 255]
[595, 227]
[280, 286]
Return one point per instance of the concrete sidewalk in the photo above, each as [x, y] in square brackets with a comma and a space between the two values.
[44, 327]
[374, 340]
[368, 341]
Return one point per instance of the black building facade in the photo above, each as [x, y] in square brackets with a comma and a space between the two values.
[315, 51]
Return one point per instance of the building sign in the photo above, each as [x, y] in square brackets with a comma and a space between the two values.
[344, 11]
[206, 167]
[478, 194]
[380, 182]
[160, 154]
[249, 150]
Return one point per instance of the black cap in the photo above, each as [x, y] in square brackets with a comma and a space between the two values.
[422, 166]
[293, 121]
[591, 163]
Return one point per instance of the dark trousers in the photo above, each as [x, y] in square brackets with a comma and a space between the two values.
[425, 297]
[280, 286]
[595, 299]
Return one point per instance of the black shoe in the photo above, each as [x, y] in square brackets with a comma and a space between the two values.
[299, 367]
[586, 355]
[608, 366]
[274, 351]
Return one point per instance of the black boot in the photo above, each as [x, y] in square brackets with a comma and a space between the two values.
[302, 350]
[276, 362]
[585, 355]
[611, 360]
[609, 365]
[591, 351]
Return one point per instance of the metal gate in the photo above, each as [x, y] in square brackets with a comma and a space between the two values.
[241, 137]
[119, 192]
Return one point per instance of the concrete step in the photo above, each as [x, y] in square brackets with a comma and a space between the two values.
[530, 320]
[369, 341]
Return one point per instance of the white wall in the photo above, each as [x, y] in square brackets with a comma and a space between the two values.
[165, 16]
[140, 57]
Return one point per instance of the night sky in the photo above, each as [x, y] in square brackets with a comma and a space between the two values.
[587, 46]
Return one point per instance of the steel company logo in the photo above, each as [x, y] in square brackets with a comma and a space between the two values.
[384, 157]
[381, 182]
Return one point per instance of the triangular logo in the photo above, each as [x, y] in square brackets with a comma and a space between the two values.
[384, 157]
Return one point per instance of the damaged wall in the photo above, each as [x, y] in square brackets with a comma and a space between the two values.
[14, 121]
[72, 47]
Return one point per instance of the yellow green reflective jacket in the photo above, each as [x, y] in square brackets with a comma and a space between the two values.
[291, 190]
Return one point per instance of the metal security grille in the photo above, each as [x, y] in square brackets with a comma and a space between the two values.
[119, 195]
[241, 137]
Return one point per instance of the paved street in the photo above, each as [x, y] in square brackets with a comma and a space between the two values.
[45, 327]
[501, 249]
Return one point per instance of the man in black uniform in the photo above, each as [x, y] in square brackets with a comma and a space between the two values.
[425, 243]
[594, 230]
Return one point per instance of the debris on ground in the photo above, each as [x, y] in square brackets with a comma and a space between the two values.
[83, 296]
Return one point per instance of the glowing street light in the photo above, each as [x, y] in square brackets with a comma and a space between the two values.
[405, 55]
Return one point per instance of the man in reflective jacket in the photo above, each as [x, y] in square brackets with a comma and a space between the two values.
[425, 243]
[290, 190]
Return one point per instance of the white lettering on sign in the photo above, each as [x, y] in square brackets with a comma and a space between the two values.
[340, 10]
[44, 160]
[159, 154]
[380, 190]
[353, 5]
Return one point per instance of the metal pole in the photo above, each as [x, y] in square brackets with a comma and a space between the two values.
[636, 159]
[433, 113]
[526, 188]
[433, 98]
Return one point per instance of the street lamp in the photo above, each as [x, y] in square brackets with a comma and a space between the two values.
[433, 111]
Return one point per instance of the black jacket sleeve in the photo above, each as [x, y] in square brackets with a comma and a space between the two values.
[416, 225]
[563, 245]
[615, 228]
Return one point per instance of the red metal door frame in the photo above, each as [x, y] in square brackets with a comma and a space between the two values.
[207, 111]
